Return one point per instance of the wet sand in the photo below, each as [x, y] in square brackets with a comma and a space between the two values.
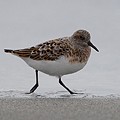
[60, 109]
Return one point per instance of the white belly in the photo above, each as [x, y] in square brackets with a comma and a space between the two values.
[59, 67]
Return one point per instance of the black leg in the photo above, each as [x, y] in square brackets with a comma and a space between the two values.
[60, 81]
[36, 85]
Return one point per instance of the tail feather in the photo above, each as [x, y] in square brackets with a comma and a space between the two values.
[21, 53]
[8, 51]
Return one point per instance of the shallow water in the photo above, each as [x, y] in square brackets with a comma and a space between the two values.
[27, 23]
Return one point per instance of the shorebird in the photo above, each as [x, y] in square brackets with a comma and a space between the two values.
[58, 57]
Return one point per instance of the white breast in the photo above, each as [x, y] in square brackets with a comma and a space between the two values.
[59, 67]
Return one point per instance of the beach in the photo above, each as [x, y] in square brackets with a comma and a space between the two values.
[27, 23]
[60, 109]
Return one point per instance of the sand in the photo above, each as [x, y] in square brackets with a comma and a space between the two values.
[60, 109]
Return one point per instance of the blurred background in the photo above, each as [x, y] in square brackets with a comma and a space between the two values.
[24, 23]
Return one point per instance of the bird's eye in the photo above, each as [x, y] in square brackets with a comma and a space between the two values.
[82, 37]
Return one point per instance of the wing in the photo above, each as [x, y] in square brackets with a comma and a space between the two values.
[50, 50]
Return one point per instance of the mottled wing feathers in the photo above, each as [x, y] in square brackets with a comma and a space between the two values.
[50, 50]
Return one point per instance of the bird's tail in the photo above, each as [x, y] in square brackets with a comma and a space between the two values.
[20, 53]
[8, 51]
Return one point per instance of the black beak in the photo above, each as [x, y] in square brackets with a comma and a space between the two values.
[90, 44]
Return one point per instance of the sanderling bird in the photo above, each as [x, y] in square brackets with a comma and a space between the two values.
[58, 57]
